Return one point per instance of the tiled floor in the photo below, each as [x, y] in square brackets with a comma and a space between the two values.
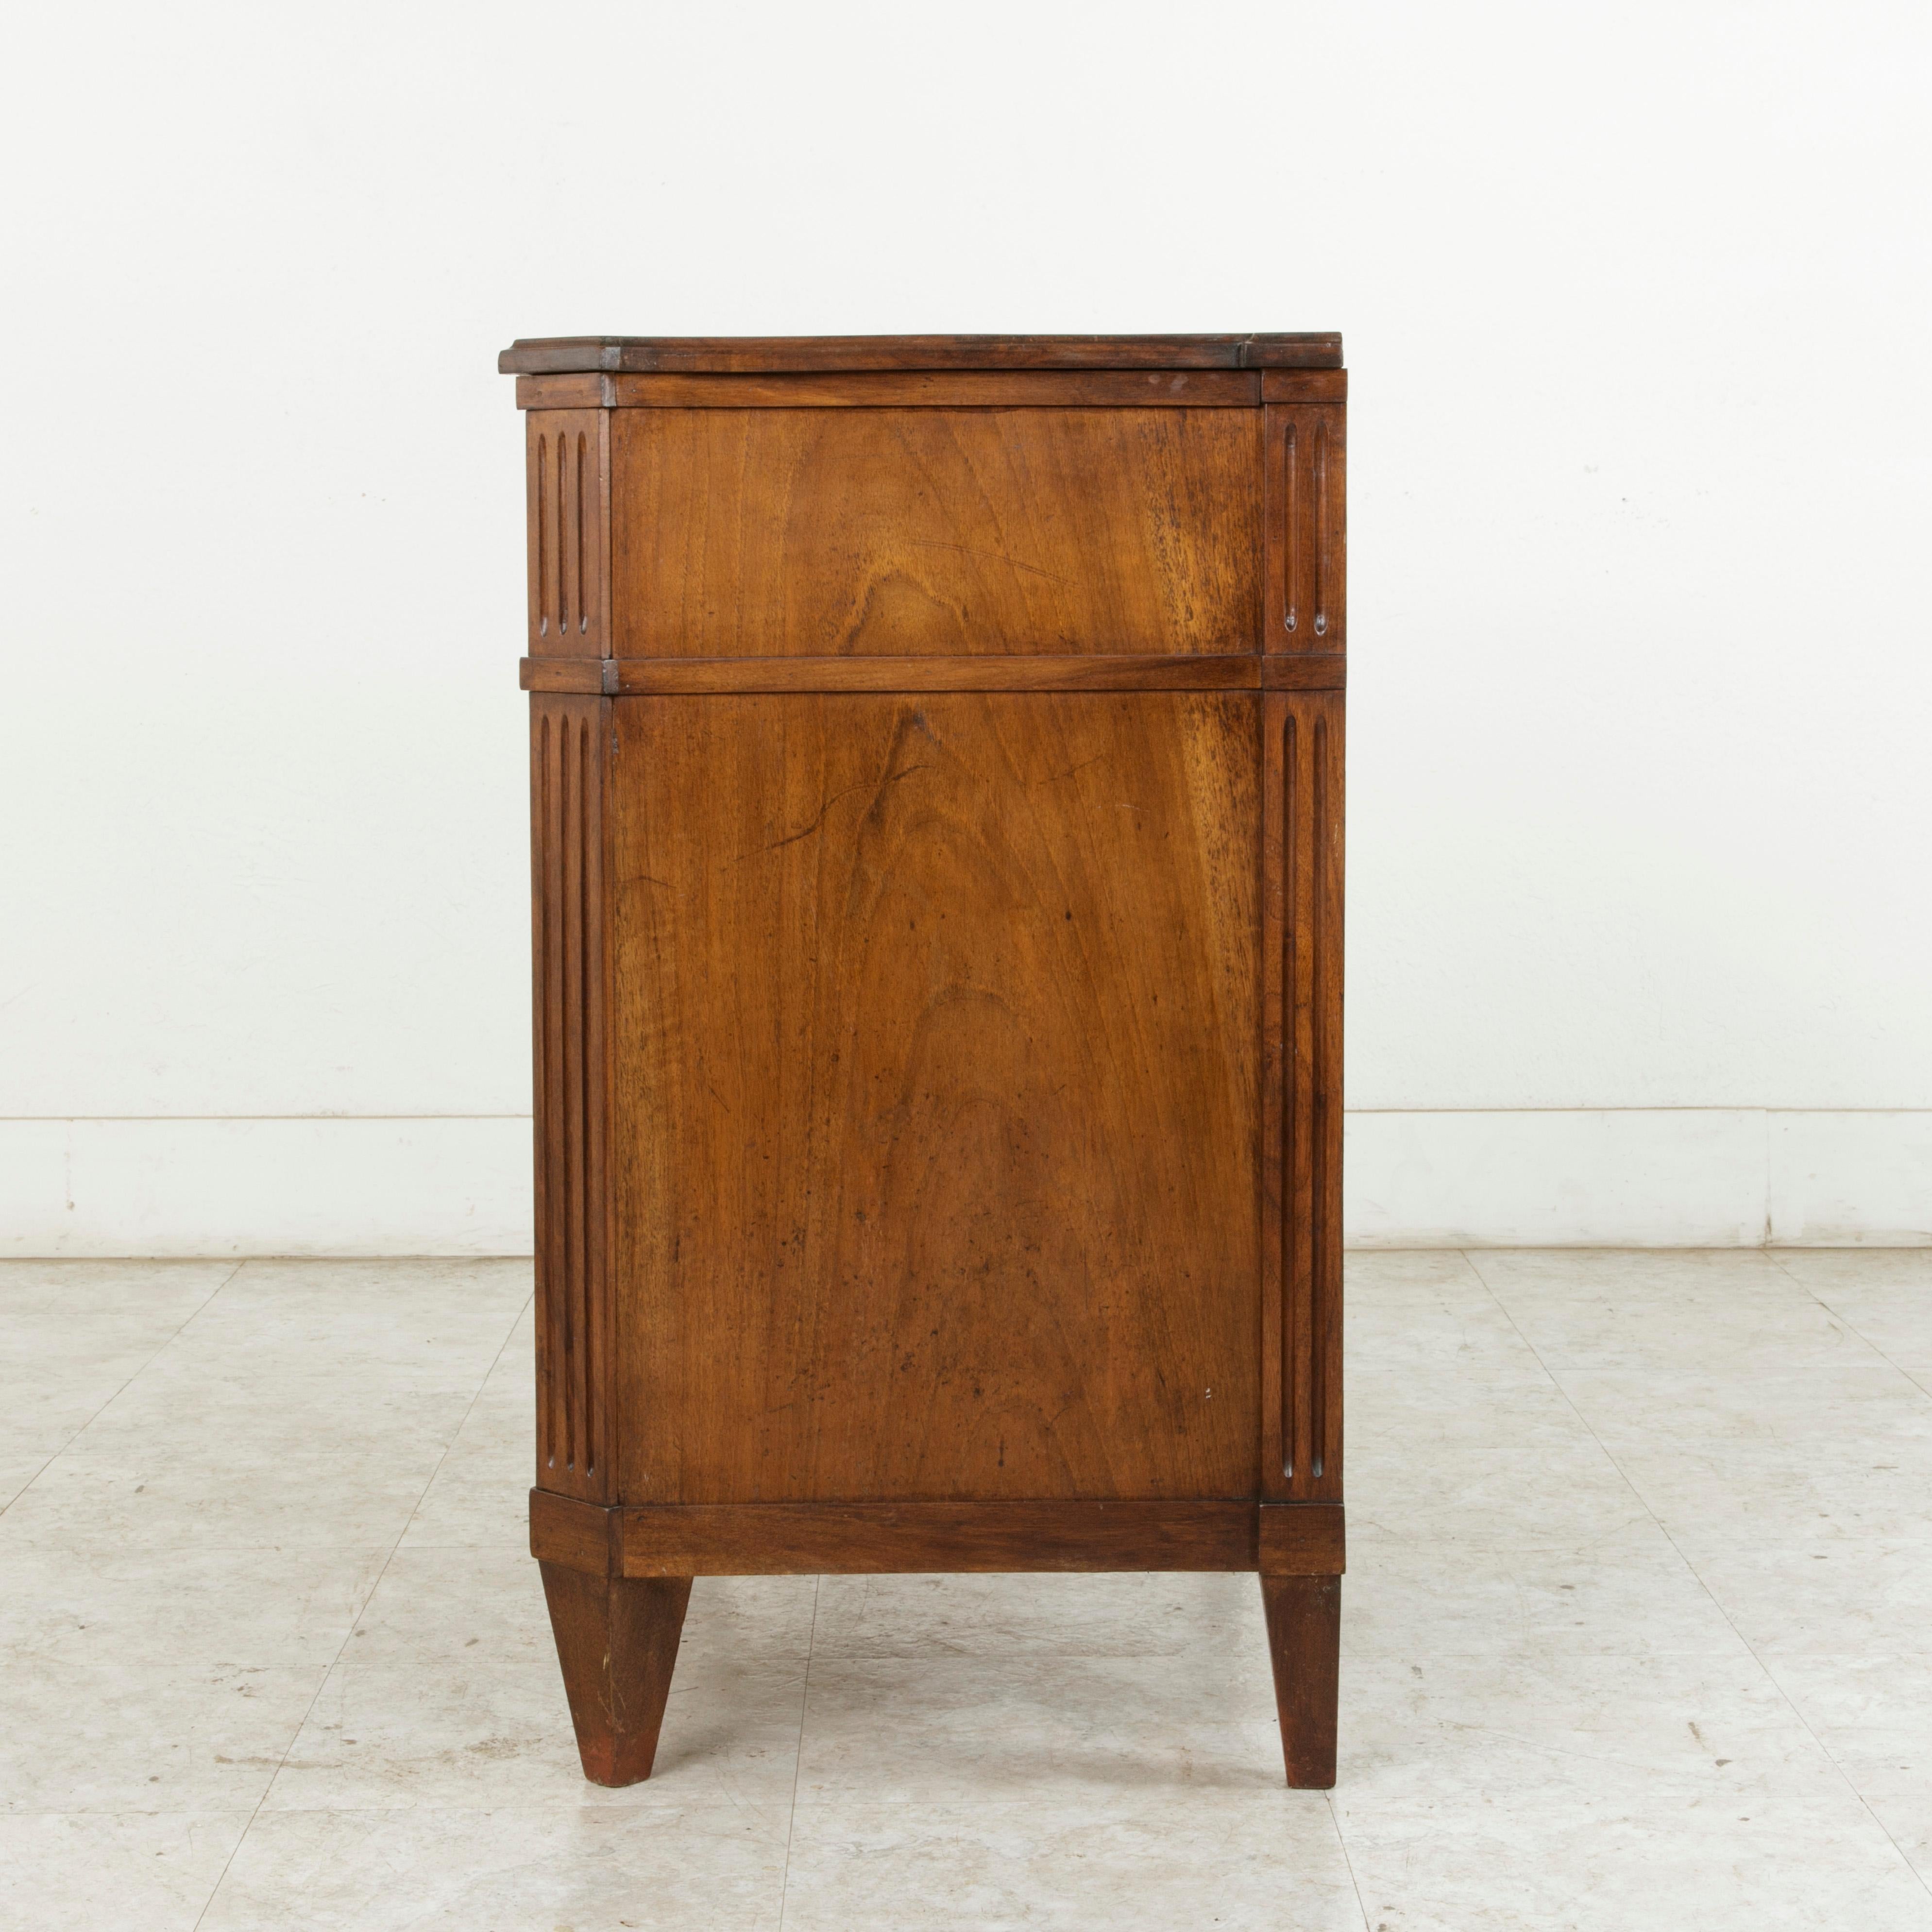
[1638, 1633]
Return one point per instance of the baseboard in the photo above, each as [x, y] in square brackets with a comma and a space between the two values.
[1651, 1177]
[437, 1185]
[442, 1185]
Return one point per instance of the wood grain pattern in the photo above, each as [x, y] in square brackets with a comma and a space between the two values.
[914, 389]
[902, 532]
[1304, 1628]
[1301, 1160]
[768, 355]
[567, 472]
[936, 808]
[1307, 482]
[616, 1642]
[790, 1539]
[1014, 671]
[574, 1315]
[934, 1046]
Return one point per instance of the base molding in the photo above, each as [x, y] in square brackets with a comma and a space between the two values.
[805, 1539]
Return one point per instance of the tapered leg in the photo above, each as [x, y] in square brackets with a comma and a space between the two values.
[1304, 1628]
[617, 1639]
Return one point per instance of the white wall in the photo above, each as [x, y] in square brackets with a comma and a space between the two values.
[1636, 298]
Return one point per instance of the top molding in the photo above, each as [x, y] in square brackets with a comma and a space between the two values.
[772, 355]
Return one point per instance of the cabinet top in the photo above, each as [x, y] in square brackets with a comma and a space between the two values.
[760, 355]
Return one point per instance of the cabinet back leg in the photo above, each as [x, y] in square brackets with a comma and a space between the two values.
[1304, 1630]
[617, 1639]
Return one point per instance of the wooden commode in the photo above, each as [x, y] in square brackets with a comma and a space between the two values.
[937, 779]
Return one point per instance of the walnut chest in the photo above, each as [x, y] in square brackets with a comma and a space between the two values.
[936, 809]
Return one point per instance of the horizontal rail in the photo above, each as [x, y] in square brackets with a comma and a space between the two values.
[683, 677]
[915, 389]
[905, 1538]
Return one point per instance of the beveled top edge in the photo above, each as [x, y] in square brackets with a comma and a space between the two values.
[771, 354]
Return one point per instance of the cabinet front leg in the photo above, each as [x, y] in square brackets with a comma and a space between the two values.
[1304, 1630]
[617, 1639]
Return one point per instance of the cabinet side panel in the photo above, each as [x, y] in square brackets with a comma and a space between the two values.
[1302, 901]
[910, 532]
[574, 1316]
[1305, 465]
[567, 462]
[935, 1028]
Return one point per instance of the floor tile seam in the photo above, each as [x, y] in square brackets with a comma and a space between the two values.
[1878, 1372]
[442, 1457]
[297, 1422]
[1348, 1863]
[173, 1545]
[1866, 1755]
[981, 1660]
[1785, 1654]
[126, 1811]
[1837, 1314]
[1268, 1793]
[1371, 1531]
[1444, 1374]
[1706, 1547]
[1557, 1648]
[1554, 1367]
[251, 1363]
[1769, 1675]
[356, 1618]
[53, 1456]
[798, 1760]
[95, 1543]
[974, 1660]
[411, 1546]
[1563, 1365]
[559, 1807]
[1623, 1475]
[819, 1813]
[76, 1434]
[1543, 1367]
[713, 1805]
[1373, 1528]
[1757, 1756]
